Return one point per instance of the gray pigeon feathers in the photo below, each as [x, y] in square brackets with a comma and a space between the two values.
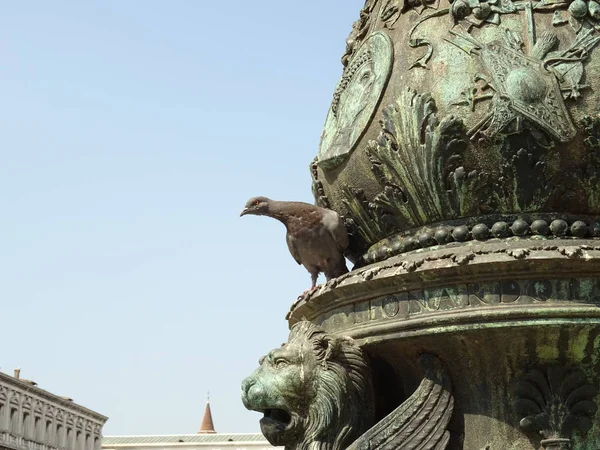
[316, 236]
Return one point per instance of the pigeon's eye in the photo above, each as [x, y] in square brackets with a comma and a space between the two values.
[256, 202]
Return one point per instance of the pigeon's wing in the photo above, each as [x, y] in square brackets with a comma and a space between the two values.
[334, 224]
[292, 248]
[418, 423]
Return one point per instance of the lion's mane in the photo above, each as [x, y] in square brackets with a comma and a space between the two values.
[342, 407]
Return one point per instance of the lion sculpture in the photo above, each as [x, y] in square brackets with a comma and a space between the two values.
[315, 391]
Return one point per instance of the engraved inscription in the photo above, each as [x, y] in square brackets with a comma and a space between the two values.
[540, 290]
[409, 304]
[511, 291]
[486, 294]
[391, 306]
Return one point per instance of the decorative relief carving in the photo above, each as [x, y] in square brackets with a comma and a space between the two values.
[412, 304]
[421, 422]
[506, 162]
[393, 9]
[390, 13]
[555, 403]
[589, 175]
[582, 15]
[579, 14]
[414, 42]
[414, 149]
[311, 388]
[317, 187]
[538, 227]
[360, 30]
[525, 89]
[356, 98]
[475, 13]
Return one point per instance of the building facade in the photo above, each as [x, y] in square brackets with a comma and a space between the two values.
[34, 419]
[208, 441]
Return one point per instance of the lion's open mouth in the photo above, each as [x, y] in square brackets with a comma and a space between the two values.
[274, 425]
[278, 415]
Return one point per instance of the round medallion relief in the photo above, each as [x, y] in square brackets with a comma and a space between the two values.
[356, 98]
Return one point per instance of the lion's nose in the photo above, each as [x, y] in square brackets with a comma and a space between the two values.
[247, 384]
[247, 396]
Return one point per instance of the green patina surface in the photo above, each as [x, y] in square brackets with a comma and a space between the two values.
[460, 127]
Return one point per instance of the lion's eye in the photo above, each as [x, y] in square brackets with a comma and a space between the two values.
[281, 363]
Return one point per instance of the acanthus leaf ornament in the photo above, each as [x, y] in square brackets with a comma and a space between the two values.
[414, 149]
[555, 403]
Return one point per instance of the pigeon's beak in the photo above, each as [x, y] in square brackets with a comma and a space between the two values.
[244, 212]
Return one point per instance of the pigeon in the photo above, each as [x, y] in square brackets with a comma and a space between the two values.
[316, 236]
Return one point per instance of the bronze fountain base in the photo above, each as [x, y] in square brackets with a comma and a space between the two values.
[515, 323]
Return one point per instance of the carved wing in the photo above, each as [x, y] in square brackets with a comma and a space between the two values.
[292, 247]
[421, 421]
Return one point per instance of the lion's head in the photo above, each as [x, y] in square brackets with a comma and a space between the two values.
[315, 391]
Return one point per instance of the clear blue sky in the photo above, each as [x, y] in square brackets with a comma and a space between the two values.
[132, 134]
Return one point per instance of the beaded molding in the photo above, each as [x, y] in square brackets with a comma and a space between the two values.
[446, 234]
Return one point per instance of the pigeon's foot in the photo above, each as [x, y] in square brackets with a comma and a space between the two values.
[309, 291]
[304, 294]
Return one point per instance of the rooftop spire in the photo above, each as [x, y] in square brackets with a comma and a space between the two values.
[207, 426]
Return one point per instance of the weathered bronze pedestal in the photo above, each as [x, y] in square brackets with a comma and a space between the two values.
[462, 149]
[515, 322]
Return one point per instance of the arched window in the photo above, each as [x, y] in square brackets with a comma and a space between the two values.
[14, 415]
[26, 432]
[39, 429]
[15, 420]
[27, 429]
[2, 413]
[70, 444]
[49, 435]
[59, 436]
